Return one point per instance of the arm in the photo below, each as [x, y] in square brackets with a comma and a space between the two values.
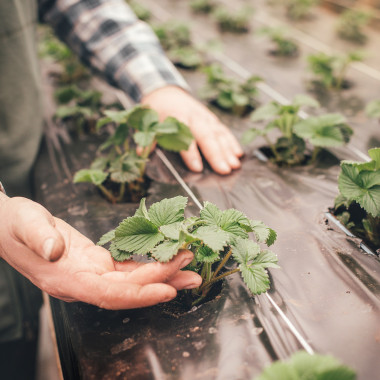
[67, 265]
[108, 37]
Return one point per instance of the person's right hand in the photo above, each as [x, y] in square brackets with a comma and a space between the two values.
[65, 264]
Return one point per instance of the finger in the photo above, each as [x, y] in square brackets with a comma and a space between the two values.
[185, 280]
[110, 294]
[34, 226]
[229, 155]
[160, 272]
[192, 158]
[214, 155]
[233, 142]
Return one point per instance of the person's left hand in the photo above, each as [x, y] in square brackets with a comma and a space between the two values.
[218, 145]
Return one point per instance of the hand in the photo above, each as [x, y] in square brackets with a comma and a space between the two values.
[67, 265]
[216, 142]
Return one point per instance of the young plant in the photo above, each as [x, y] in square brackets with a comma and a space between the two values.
[284, 46]
[202, 6]
[175, 38]
[238, 22]
[351, 24]
[229, 94]
[120, 172]
[140, 11]
[330, 70]
[215, 237]
[358, 204]
[303, 366]
[81, 108]
[323, 131]
[51, 47]
[373, 109]
[299, 9]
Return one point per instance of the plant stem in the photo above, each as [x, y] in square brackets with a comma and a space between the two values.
[118, 150]
[107, 194]
[121, 193]
[316, 151]
[273, 148]
[222, 263]
[212, 281]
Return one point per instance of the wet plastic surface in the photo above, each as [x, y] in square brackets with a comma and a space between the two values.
[327, 287]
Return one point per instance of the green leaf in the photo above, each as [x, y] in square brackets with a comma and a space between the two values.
[263, 233]
[168, 211]
[244, 250]
[119, 254]
[97, 177]
[265, 112]
[137, 235]
[142, 211]
[249, 135]
[266, 259]
[165, 251]
[144, 138]
[363, 187]
[172, 231]
[169, 125]
[117, 117]
[211, 214]
[178, 141]
[375, 155]
[255, 277]
[206, 255]
[305, 100]
[142, 118]
[213, 237]
[323, 131]
[106, 238]
[302, 366]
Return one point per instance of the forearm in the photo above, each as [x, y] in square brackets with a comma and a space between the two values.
[109, 38]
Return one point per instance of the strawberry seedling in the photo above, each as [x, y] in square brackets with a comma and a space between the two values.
[299, 9]
[175, 38]
[284, 46]
[238, 22]
[78, 107]
[290, 149]
[358, 204]
[216, 237]
[229, 94]
[202, 6]
[119, 173]
[330, 70]
[351, 24]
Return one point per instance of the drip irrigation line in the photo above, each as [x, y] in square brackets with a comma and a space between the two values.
[363, 246]
[292, 328]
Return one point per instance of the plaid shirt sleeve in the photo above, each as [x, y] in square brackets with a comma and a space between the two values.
[109, 38]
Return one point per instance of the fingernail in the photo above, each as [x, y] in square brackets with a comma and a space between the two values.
[186, 261]
[234, 161]
[191, 286]
[197, 166]
[224, 167]
[48, 248]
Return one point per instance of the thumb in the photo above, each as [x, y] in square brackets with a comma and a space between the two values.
[34, 226]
